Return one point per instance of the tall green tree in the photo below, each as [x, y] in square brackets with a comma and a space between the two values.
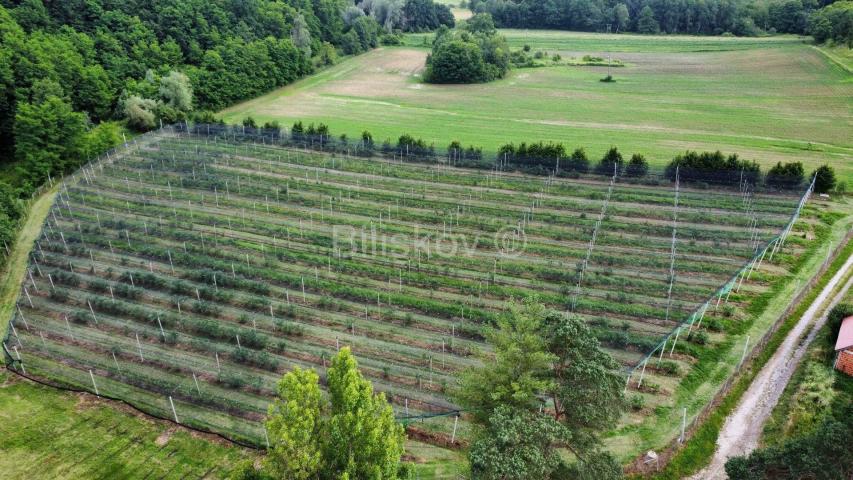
[638, 166]
[824, 179]
[176, 91]
[587, 392]
[295, 427]
[351, 434]
[364, 440]
[621, 16]
[548, 385]
[48, 138]
[646, 22]
[611, 163]
[519, 373]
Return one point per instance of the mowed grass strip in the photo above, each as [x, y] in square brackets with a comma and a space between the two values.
[53, 434]
[771, 100]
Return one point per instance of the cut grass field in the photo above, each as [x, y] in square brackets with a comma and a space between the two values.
[48, 433]
[769, 99]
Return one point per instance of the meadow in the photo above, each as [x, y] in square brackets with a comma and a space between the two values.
[52, 434]
[186, 275]
[768, 99]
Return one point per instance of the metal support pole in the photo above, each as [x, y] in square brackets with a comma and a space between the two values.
[92, 376]
[642, 373]
[175, 413]
[743, 357]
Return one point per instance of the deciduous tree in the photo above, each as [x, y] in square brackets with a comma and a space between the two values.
[295, 427]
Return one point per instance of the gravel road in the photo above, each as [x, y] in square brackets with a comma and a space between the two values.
[742, 430]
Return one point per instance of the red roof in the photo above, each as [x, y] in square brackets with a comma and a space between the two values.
[845, 334]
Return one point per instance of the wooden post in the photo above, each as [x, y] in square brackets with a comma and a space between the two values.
[68, 324]
[455, 424]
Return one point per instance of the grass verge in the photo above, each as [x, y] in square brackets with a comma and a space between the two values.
[13, 271]
[812, 389]
[700, 448]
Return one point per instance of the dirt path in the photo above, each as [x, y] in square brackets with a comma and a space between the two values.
[742, 430]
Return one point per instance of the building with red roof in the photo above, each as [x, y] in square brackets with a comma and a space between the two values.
[844, 347]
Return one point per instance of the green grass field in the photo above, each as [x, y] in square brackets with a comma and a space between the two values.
[52, 434]
[769, 99]
[48, 433]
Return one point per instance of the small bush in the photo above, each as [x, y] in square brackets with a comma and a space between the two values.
[668, 367]
[59, 295]
[638, 402]
[699, 338]
[714, 325]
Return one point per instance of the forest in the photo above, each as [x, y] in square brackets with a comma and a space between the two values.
[74, 73]
[699, 17]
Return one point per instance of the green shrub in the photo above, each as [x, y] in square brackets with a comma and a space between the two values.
[638, 402]
[668, 367]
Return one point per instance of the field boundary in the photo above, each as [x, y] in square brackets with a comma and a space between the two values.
[832, 58]
[479, 159]
[746, 370]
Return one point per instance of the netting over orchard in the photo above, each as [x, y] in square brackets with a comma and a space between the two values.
[185, 272]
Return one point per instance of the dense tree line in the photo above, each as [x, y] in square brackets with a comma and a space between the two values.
[553, 158]
[714, 167]
[833, 22]
[74, 72]
[706, 17]
[475, 54]
[405, 15]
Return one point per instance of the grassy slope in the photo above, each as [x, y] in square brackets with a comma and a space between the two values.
[769, 99]
[14, 271]
[698, 451]
[843, 56]
[48, 433]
